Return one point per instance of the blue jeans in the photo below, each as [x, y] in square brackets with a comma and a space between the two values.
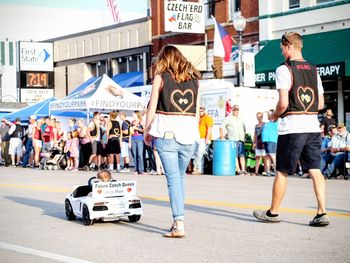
[175, 158]
[337, 161]
[29, 146]
[137, 152]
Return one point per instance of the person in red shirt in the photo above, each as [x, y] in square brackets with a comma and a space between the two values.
[47, 136]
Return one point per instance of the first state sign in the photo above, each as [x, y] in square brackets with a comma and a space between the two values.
[185, 17]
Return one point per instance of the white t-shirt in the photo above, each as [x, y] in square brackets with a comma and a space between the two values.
[185, 128]
[302, 123]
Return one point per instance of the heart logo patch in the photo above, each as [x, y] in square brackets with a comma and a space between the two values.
[306, 97]
[99, 191]
[129, 189]
[182, 100]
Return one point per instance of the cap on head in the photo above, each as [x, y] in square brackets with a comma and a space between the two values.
[33, 117]
[341, 125]
[17, 119]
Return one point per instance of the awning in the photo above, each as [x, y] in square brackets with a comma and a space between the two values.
[329, 51]
[130, 79]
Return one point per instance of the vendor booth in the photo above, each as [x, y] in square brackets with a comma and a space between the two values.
[102, 95]
[40, 110]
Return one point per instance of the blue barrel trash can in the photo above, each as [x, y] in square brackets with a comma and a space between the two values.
[224, 157]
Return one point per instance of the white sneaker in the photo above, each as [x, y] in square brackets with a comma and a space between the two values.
[125, 170]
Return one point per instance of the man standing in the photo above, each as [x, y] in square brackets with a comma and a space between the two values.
[114, 136]
[328, 120]
[233, 128]
[205, 130]
[95, 134]
[126, 142]
[300, 97]
[29, 143]
[16, 133]
[5, 142]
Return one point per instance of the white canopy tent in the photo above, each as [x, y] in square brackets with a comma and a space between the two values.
[102, 95]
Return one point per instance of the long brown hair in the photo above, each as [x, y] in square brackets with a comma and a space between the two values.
[172, 61]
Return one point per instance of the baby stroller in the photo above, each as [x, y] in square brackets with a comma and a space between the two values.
[55, 160]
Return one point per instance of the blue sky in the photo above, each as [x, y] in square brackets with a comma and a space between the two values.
[44, 19]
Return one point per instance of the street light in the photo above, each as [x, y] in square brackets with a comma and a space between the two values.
[239, 23]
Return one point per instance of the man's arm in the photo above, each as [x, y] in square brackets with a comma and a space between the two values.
[282, 104]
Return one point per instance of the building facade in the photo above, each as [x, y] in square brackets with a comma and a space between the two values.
[223, 11]
[120, 48]
[8, 68]
[325, 27]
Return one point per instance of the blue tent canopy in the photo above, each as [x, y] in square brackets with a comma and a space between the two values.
[40, 109]
[84, 85]
[130, 79]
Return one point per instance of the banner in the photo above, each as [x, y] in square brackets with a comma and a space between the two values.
[186, 17]
[113, 188]
[248, 69]
[35, 56]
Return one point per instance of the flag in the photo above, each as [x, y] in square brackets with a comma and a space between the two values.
[113, 8]
[222, 42]
[235, 53]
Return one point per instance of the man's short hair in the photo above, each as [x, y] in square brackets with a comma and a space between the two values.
[292, 38]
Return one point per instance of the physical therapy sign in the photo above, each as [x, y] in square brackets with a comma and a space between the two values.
[186, 17]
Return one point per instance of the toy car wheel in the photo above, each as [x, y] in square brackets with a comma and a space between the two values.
[134, 218]
[69, 210]
[55, 167]
[86, 216]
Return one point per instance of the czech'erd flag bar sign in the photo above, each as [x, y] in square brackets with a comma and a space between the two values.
[222, 42]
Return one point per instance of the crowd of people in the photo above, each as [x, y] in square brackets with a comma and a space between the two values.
[110, 139]
[104, 143]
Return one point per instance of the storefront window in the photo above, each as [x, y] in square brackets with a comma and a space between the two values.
[294, 4]
[324, 1]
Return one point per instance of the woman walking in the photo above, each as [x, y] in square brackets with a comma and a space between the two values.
[172, 119]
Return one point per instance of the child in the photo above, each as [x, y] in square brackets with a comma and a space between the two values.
[67, 151]
[104, 176]
[74, 151]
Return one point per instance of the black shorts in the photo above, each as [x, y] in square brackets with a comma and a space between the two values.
[96, 147]
[113, 146]
[305, 147]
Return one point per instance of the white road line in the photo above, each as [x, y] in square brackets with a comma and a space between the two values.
[40, 253]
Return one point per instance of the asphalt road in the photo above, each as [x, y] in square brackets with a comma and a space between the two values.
[219, 222]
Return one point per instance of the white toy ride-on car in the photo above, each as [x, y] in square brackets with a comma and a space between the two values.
[107, 201]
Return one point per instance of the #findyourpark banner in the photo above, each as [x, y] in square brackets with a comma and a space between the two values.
[186, 17]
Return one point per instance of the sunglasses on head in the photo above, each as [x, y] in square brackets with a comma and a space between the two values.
[285, 39]
[235, 109]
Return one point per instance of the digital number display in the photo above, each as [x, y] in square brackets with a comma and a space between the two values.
[37, 79]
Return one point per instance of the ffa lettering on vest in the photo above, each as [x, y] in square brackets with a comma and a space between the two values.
[177, 98]
[303, 94]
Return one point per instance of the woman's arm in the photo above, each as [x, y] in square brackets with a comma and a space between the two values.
[157, 83]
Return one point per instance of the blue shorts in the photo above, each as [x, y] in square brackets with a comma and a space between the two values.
[240, 149]
[270, 147]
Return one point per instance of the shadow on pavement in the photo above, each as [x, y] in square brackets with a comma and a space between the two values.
[49, 208]
[247, 217]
